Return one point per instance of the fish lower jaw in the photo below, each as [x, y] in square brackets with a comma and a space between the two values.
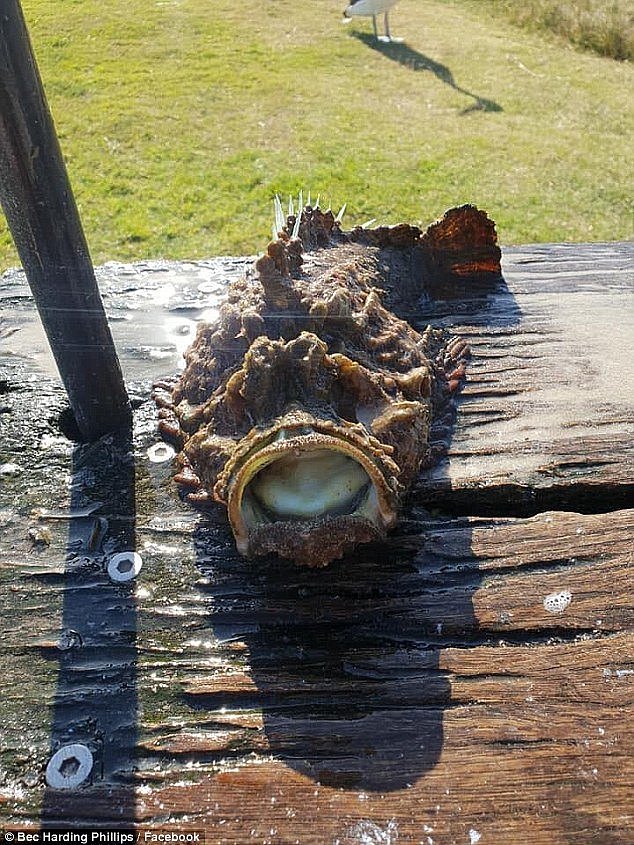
[313, 544]
[309, 498]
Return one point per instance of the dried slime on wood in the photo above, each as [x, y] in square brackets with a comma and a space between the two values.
[306, 408]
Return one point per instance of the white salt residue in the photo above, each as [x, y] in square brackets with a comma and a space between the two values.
[162, 295]
[12, 792]
[368, 833]
[557, 602]
[210, 315]
[160, 548]
[620, 673]
[474, 836]
[180, 332]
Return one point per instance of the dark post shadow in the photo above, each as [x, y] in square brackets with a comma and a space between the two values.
[345, 660]
[96, 699]
[416, 61]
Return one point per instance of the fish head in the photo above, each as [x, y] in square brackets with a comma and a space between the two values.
[321, 469]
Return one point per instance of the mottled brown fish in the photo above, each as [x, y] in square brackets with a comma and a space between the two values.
[306, 408]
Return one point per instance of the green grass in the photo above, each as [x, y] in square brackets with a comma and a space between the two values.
[605, 26]
[180, 119]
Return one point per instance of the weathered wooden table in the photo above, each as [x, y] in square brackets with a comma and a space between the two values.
[471, 681]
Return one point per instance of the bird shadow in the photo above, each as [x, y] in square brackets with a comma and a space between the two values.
[417, 61]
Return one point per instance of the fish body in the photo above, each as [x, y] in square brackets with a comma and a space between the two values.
[305, 409]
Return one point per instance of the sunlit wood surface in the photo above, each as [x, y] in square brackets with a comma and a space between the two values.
[471, 681]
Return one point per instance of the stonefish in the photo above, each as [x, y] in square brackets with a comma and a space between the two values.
[306, 408]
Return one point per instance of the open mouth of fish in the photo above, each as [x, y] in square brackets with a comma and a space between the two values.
[305, 479]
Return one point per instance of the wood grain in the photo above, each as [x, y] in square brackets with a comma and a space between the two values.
[545, 418]
[469, 681]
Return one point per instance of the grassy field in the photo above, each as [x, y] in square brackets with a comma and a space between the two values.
[180, 119]
[605, 26]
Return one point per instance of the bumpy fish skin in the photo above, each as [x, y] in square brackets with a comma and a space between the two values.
[306, 408]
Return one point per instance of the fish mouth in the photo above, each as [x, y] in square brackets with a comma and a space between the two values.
[310, 495]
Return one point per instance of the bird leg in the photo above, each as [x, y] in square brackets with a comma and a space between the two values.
[385, 38]
[376, 32]
[388, 36]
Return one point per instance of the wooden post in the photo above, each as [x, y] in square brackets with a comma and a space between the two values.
[42, 215]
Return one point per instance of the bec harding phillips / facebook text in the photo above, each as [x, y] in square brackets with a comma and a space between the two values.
[146, 836]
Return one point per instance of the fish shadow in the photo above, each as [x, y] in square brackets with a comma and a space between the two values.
[345, 660]
[410, 58]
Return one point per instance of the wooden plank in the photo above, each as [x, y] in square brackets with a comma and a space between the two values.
[546, 416]
[434, 690]
[470, 680]
[526, 723]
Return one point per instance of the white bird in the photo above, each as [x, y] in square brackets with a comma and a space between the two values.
[372, 8]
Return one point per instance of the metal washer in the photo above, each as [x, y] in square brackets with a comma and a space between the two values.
[56, 778]
[134, 560]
